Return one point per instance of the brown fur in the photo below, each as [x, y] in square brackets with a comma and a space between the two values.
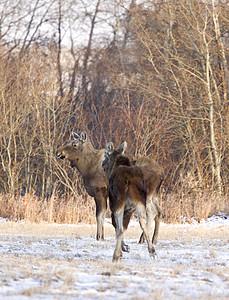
[133, 186]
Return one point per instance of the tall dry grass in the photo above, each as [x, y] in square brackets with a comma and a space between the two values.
[72, 210]
[81, 209]
[198, 206]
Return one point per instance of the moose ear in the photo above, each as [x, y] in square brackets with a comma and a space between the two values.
[123, 147]
[110, 147]
[83, 136]
[76, 137]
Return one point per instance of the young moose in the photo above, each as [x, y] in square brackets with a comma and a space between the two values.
[88, 161]
[133, 186]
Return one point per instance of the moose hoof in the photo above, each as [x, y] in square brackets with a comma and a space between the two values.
[100, 238]
[116, 257]
[125, 247]
[153, 254]
[154, 257]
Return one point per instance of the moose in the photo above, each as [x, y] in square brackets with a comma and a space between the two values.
[88, 161]
[133, 186]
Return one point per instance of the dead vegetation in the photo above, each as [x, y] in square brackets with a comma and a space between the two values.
[69, 210]
[79, 209]
[195, 206]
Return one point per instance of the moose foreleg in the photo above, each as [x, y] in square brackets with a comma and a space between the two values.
[101, 208]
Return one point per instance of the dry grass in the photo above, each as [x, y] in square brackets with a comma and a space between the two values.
[59, 210]
[198, 206]
[74, 210]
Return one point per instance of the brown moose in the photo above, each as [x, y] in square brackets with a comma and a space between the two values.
[133, 186]
[88, 161]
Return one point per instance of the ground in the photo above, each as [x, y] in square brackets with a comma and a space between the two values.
[50, 261]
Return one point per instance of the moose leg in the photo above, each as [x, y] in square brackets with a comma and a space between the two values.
[142, 217]
[126, 220]
[153, 211]
[119, 235]
[149, 219]
[101, 208]
[124, 246]
[157, 221]
[142, 239]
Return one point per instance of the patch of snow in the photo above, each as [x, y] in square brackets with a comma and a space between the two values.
[81, 268]
[220, 219]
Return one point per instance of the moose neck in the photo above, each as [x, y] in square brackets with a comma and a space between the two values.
[90, 160]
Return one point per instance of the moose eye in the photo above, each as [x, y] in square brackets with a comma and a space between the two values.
[74, 145]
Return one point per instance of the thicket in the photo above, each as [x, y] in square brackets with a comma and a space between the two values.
[161, 83]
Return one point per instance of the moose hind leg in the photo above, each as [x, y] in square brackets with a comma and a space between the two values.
[142, 239]
[124, 246]
[126, 220]
[119, 235]
[157, 221]
[150, 214]
[142, 220]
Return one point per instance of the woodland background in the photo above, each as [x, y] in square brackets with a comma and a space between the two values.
[153, 73]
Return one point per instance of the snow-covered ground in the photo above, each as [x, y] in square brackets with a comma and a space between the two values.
[48, 261]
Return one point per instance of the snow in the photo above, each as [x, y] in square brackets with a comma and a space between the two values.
[193, 262]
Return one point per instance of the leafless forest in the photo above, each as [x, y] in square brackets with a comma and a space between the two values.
[153, 73]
